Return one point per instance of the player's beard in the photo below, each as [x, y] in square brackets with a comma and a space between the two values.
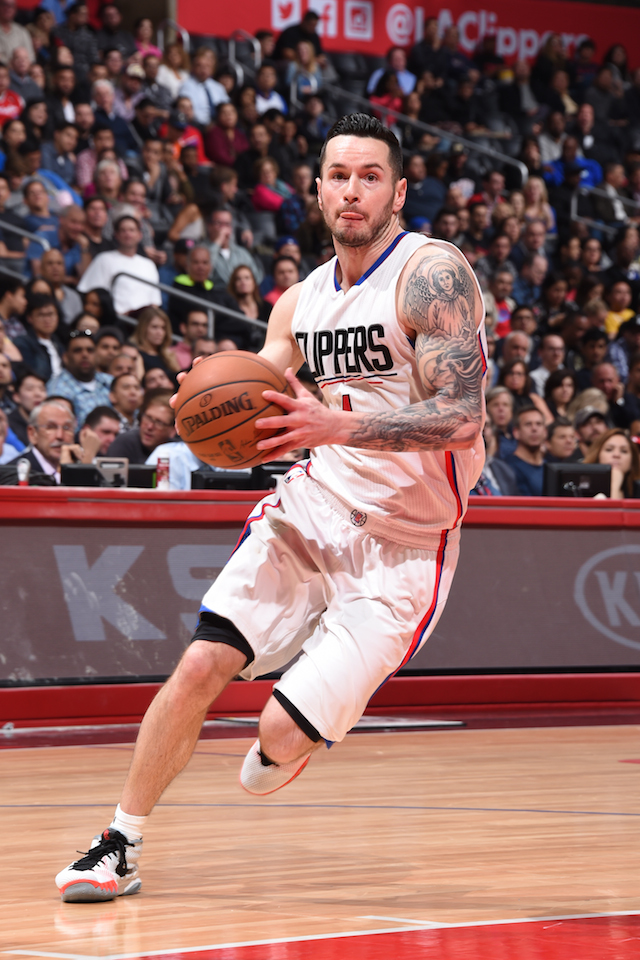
[366, 233]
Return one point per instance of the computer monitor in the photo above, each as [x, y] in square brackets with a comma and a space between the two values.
[576, 479]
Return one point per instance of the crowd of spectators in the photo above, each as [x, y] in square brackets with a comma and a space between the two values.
[141, 166]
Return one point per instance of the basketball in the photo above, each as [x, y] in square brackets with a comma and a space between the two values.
[219, 402]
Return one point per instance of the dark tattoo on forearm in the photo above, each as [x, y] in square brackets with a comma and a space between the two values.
[439, 302]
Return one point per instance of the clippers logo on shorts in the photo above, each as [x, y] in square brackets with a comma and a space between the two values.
[340, 352]
[358, 519]
[226, 409]
[295, 473]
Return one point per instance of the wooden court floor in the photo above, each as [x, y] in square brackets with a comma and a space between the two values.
[397, 845]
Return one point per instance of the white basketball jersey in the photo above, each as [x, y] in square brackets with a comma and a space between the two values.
[362, 361]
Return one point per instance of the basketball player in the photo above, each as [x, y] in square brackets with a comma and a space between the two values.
[350, 561]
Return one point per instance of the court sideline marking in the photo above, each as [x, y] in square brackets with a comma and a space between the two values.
[416, 926]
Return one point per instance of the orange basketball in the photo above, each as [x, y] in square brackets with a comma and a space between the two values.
[219, 402]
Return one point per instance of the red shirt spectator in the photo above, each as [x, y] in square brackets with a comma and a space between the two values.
[223, 142]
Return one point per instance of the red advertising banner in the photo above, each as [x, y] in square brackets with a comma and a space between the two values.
[372, 26]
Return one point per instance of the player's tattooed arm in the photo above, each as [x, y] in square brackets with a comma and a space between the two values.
[439, 303]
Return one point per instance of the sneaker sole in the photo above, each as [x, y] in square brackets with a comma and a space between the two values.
[86, 892]
[266, 793]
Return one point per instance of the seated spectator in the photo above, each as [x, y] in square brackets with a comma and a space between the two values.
[553, 308]
[101, 425]
[532, 242]
[7, 451]
[589, 423]
[616, 449]
[285, 274]
[128, 294]
[295, 207]
[523, 321]
[610, 209]
[592, 350]
[537, 204]
[99, 304]
[133, 198]
[527, 460]
[304, 70]
[446, 226]
[85, 323]
[527, 288]
[515, 376]
[618, 298]
[80, 381]
[625, 346]
[11, 103]
[498, 302]
[129, 92]
[52, 269]
[182, 463]
[270, 192]
[6, 384]
[195, 325]
[157, 379]
[152, 337]
[96, 218]
[245, 291]
[21, 81]
[109, 342]
[500, 411]
[174, 69]
[103, 95]
[476, 238]
[387, 93]
[107, 181]
[38, 220]
[156, 427]
[426, 192]
[179, 133]
[553, 136]
[559, 390]
[41, 349]
[60, 102]
[205, 93]
[497, 478]
[29, 391]
[84, 121]
[631, 398]
[605, 377]
[111, 35]
[102, 139]
[224, 140]
[397, 62]
[570, 160]
[156, 93]
[496, 259]
[143, 35]
[551, 354]
[51, 427]
[59, 155]
[267, 96]
[225, 254]
[125, 397]
[562, 442]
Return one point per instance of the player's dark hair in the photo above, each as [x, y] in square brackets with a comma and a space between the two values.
[362, 125]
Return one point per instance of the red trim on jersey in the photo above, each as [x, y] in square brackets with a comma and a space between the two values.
[332, 383]
[346, 402]
[484, 359]
[453, 483]
[246, 530]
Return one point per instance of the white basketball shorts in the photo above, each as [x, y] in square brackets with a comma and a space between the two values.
[305, 578]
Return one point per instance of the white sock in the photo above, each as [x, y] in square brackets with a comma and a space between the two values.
[126, 823]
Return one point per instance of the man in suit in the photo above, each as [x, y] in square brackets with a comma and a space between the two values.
[51, 426]
[611, 209]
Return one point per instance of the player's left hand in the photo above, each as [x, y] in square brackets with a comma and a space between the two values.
[306, 423]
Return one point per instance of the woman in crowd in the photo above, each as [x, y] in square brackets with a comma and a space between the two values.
[515, 377]
[553, 307]
[537, 205]
[99, 304]
[591, 287]
[500, 411]
[247, 110]
[152, 337]
[35, 118]
[174, 69]
[559, 391]
[244, 289]
[143, 33]
[616, 449]
[519, 205]
[270, 192]
[387, 93]
[592, 257]
[616, 59]
[224, 141]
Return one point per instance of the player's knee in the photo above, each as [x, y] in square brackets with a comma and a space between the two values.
[285, 734]
[204, 664]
